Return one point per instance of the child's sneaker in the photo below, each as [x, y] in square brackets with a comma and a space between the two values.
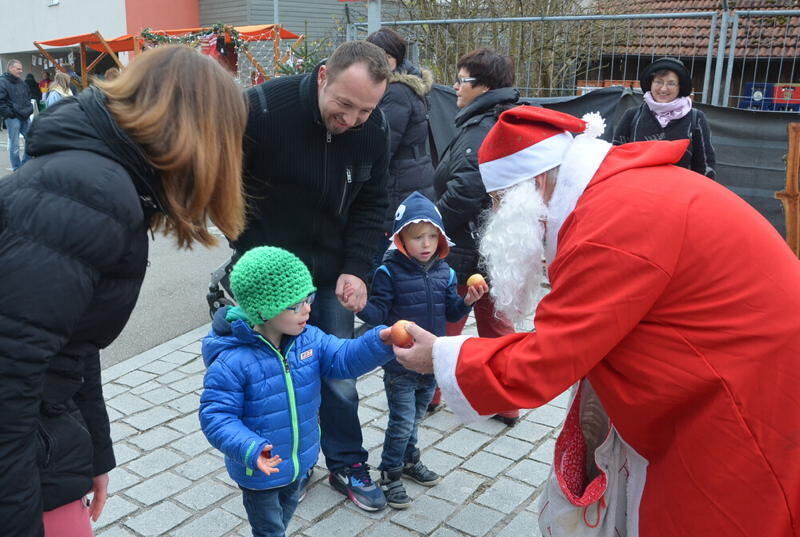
[355, 483]
[393, 488]
[416, 471]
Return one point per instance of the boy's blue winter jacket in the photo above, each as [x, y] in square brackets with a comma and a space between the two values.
[255, 394]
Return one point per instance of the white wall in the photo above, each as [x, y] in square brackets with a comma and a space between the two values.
[26, 21]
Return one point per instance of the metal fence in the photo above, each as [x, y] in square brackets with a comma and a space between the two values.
[570, 55]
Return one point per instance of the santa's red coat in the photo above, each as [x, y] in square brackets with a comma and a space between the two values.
[681, 304]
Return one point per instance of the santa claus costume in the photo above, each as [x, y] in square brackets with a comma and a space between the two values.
[679, 304]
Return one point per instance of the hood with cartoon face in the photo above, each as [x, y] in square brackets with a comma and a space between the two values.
[417, 208]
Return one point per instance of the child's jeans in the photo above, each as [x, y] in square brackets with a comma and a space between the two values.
[408, 395]
[269, 511]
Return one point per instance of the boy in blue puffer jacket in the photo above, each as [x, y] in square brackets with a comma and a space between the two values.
[414, 283]
[261, 393]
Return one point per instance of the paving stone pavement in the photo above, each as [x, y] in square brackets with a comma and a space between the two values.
[171, 482]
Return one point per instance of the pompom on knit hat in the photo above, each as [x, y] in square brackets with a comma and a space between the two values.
[266, 280]
[525, 141]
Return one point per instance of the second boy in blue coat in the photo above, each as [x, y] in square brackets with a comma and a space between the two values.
[261, 393]
[414, 284]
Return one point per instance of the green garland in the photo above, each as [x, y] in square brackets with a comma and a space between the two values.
[193, 39]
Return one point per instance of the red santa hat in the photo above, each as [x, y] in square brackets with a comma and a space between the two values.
[525, 141]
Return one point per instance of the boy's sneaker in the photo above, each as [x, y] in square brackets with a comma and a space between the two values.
[355, 483]
[393, 489]
[416, 471]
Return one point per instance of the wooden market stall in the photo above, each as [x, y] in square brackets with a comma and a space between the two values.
[237, 36]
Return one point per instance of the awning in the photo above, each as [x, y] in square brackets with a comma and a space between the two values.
[125, 43]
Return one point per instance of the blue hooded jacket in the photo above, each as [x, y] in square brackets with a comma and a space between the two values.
[255, 394]
[404, 288]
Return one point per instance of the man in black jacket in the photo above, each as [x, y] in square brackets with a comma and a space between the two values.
[316, 169]
[16, 108]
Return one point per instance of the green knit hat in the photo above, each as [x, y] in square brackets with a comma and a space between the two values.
[266, 280]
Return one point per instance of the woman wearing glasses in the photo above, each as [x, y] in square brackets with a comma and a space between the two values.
[483, 91]
[667, 114]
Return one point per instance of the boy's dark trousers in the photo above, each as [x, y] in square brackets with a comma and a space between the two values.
[269, 511]
[408, 395]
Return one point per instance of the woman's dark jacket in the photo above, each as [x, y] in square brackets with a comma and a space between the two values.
[73, 230]
[460, 195]
[405, 106]
[640, 124]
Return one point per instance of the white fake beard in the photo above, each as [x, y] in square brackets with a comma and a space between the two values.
[512, 246]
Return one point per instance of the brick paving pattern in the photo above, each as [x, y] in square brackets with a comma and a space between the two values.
[170, 481]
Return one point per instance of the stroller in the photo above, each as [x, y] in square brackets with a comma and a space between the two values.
[220, 285]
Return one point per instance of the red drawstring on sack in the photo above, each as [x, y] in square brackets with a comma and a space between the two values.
[601, 504]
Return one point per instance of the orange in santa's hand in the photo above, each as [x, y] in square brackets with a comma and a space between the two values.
[400, 335]
[475, 279]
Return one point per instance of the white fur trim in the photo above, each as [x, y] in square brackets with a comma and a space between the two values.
[505, 172]
[445, 360]
[581, 162]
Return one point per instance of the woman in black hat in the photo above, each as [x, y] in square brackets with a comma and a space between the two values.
[667, 114]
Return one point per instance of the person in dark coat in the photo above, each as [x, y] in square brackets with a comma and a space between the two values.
[74, 238]
[16, 108]
[405, 106]
[667, 114]
[484, 90]
[33, 87]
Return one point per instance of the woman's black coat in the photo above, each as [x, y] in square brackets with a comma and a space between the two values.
[640, 124]
[405, 106]
[460, 195]
[73, 247]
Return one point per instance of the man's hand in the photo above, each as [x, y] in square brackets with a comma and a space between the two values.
[418, 357]
[475, 292]
[100, 495]
[266, 463]
[351, 292]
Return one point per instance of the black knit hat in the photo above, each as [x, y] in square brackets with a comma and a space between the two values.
[670, 64]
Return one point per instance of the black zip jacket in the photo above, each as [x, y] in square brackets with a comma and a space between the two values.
[73, 230]
[320, 196]
[640, 124]
[460, 194]
[15, 98]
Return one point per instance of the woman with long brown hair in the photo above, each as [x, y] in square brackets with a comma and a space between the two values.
[145, 152]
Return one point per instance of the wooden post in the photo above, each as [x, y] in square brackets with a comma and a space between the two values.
[137, 45]
[256, 63]
[108, 49]
[84, 74]
[790, 198]
[276, 46]
[50, 58]
[96, 61]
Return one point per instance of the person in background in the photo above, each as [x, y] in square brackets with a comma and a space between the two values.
[261, 392]
[33, 87]
[59, 89]
[667, 114]
[75, 232]
[316, 166]
[44, 83]
[111, 74]
[16, 108]
[405, 106]
[483, 90]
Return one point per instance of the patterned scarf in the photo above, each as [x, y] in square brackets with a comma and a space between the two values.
[666, 112]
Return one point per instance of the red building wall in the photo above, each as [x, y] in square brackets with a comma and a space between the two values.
[161, 14]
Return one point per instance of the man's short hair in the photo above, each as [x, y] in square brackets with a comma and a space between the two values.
[13, 62]
[352, 52]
